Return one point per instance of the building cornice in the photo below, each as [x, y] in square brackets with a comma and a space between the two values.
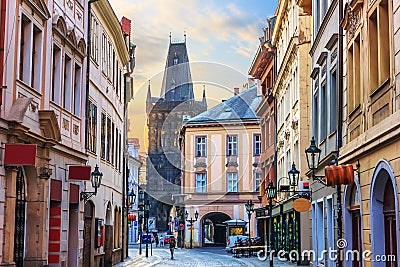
[280, 12]
[110, 21]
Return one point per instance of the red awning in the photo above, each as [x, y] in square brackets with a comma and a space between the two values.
[81, 173]
[339, 175]
[20, 154]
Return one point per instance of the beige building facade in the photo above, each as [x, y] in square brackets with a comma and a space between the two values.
[291, 90]
[371, 132]
[221, 168]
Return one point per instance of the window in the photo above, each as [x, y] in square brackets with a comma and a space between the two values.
[92, 127]
[333, 103]
[67, 83]
[112, 145]
[379, 46]
[120, 151]
[175, 60]
[24, 49]
[315, 113]
[56, 75]
[232, 145]
[109, 60]
[257, 145]
[103, 136]
[30, 54]
[232, 182]
[36, 58]
[77, 90]
[104, 53]
[323, 114]
[94, 46]
[109, 138]
[201, 146]
[354, 74]
[201, 182]
[257, 181]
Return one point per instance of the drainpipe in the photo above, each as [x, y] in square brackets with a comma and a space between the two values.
[339, 128]
[2, 35]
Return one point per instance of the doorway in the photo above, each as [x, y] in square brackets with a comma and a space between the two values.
[214, 229]
[87, 233]
[19, 234]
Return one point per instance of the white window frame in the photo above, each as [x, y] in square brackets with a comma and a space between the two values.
[232, 145]
[201, 182]
[201, 146]
[232, 182]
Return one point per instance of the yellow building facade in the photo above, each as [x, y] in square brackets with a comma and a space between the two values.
[371, 132]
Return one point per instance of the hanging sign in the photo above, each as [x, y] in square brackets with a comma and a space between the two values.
[301, 204]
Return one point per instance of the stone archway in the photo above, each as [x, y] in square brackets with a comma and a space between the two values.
[384, 213]
[213, 230]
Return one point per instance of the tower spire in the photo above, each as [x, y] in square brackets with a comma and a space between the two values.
[148, 93]
[184, 35]
[170, 38]
[204, 100]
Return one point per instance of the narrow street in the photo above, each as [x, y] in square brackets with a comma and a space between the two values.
[213, 256]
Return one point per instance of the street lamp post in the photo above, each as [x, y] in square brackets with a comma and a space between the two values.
[249, 209]
[141, 217]
[271, 194]
[313, 154]
[146, 217]
[191, 221]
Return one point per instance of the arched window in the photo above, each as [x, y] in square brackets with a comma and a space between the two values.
[176, 60]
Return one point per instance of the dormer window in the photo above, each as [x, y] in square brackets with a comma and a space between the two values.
[175, 60]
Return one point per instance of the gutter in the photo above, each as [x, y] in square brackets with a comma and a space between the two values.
[2, 40]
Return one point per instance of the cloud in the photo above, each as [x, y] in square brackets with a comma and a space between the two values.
[223, 31]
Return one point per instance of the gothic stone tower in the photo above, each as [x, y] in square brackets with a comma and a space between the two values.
[165, 116]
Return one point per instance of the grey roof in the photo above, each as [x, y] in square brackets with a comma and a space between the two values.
[177, 81]
[240, 107]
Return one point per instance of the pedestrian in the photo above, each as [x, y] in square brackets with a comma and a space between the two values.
[161, 241]
[157, 240]
[172, 246]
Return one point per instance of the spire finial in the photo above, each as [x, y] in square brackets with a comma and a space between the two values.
[170, 37]
[184, 35]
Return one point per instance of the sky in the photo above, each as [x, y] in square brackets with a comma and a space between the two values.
[222, 39]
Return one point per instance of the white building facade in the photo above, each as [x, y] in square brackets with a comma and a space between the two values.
[109, 58]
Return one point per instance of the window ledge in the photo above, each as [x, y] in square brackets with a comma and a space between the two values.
[354, 111]
[380, 87]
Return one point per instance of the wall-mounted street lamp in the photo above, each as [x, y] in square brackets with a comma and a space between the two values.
[293, 177]
[249, 209]
[95, 178]
[313, 154]
[191, 221]
[131, 198]
[270, 192]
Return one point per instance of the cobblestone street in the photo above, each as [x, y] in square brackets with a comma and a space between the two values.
[195, 257]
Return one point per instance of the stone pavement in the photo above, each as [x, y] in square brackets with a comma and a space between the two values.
[207, 257]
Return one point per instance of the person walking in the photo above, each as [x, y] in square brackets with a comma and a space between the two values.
[161, 241]
[157, 240]
[172, 246]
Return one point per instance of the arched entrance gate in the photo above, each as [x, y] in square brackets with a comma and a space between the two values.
[213, 229]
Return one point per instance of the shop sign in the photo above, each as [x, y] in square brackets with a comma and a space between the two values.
[301, 204]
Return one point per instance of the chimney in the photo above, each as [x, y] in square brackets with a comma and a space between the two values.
[235, 90]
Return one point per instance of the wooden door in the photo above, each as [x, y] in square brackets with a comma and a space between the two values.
[87, 242]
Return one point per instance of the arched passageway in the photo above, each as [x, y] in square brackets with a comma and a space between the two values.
[213, 229]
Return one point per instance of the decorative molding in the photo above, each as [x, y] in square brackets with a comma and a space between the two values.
[48, 123]
[76, 129]
[352, 18]
[40, 7]
[65, 124]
